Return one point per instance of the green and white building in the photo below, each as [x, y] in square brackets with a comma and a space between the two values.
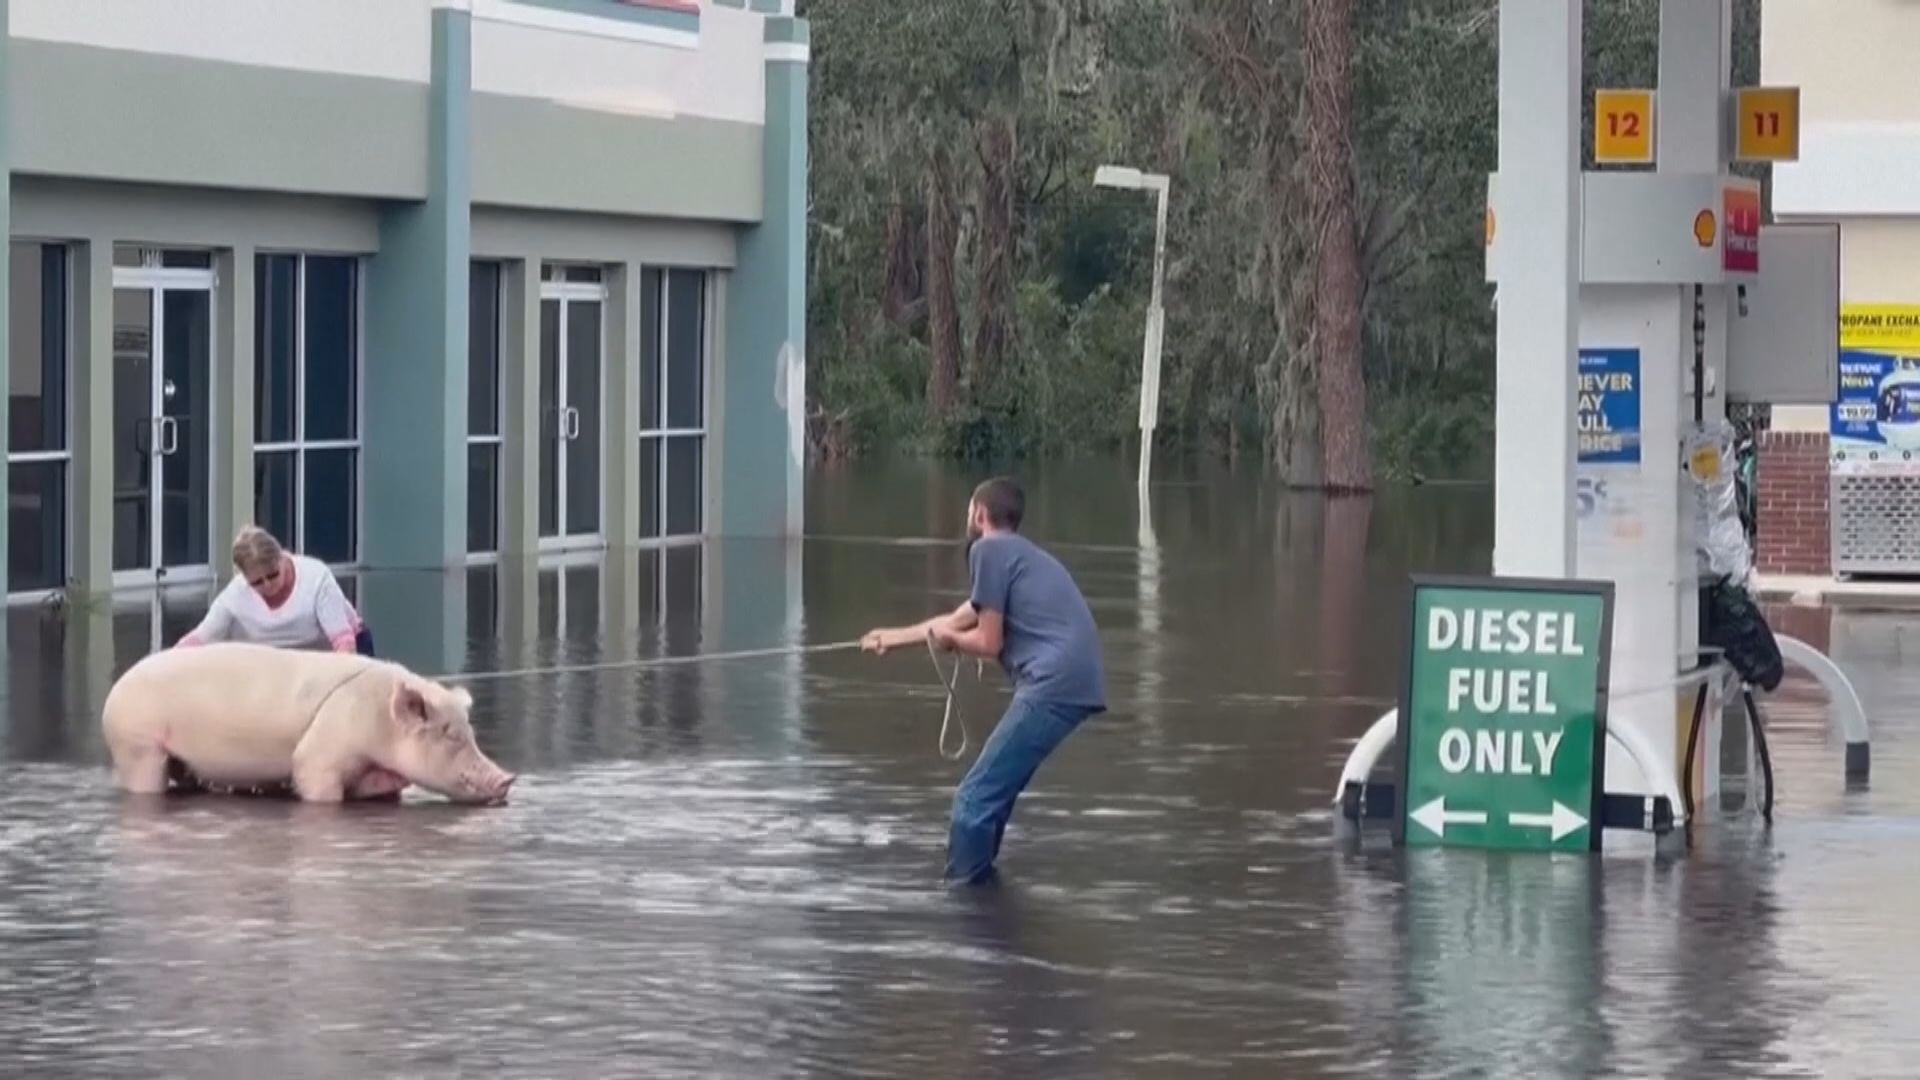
[410, 282]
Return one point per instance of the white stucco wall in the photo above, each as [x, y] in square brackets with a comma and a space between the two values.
[390, 39]
[618, 66]
[522, 49]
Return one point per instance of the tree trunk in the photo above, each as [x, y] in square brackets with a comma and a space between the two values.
[903, 261]
[943, 311]
[1336, 248]
[993, 258]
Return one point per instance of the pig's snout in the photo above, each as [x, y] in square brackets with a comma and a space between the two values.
[501, 785]
[490, 786]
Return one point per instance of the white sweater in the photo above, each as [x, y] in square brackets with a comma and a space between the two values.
[317, 615]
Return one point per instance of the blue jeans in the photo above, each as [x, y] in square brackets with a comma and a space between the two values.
[983, 803]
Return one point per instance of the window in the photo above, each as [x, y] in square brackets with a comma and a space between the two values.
[38, 451]
[578, 273]
[306, 403]
[673, 402]
[483, 408]
[135, 256]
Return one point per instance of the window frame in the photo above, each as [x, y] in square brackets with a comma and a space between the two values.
[498, 439]
[299, 446]
[64, 455]
[657, 428]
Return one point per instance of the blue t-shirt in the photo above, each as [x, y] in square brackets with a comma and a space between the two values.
[1049, 644]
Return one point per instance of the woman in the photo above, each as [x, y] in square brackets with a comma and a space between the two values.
[282, 599]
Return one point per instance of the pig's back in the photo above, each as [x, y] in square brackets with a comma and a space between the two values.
[232, 711]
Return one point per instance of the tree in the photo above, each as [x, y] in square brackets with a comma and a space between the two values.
[1346, 465]
[1327, 310]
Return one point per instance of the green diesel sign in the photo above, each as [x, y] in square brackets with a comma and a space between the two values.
[1502, 737]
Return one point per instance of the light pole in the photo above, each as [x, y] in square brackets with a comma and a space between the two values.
[1118, 176]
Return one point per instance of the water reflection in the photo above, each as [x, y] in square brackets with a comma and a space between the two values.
[731, 869]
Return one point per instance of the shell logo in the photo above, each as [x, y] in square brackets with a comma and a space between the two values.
[1703, 228]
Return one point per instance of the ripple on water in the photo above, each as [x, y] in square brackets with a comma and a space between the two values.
[760, 898]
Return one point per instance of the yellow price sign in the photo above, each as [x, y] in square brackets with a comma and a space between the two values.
[1623, 127]
[1769, 123]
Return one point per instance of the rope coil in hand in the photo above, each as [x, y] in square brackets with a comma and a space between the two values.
[953, 699]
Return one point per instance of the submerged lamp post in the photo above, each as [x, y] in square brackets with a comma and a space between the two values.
[1117, 176]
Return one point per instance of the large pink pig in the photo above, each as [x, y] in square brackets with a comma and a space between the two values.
[335, 725]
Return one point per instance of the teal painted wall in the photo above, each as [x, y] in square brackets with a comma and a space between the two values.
[283, 130]
[117, 114]
[544, 155]
[767, 311]
[415, 507]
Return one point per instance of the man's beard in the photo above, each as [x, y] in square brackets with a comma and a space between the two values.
[973, 537]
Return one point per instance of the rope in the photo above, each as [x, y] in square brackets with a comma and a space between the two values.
[658, 661]
[953, 700]
[950, 683]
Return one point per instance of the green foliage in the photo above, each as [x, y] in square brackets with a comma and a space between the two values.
[1208, 92]
[1434, 436]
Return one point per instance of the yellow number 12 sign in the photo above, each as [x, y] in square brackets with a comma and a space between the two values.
[1623, 127]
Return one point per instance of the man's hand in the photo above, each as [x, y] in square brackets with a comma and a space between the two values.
[878, 641]
[946, 630]
[982, 640]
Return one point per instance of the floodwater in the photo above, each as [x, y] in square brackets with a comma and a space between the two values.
[731, 869]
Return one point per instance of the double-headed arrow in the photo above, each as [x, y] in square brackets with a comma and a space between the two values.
[1435, 817]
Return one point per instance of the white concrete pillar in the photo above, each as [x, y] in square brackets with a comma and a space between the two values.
[92, 475]
[620, 405]
[1696, 52]
[1538, 318]
[233, 378]
[520, 408]
[1696, 71]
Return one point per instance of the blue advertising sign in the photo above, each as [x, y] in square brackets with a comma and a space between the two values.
[1609, 408]
[1879, 401]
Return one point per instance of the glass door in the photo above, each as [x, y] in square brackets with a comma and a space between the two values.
[571, 341]
[162, 416]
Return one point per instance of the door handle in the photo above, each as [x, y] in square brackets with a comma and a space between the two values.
[171, 429]
[570, 422]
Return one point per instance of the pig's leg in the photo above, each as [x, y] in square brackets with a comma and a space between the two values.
[319, 783]
[141, 769]
[377, 783]
[318, 776]
[329, 766]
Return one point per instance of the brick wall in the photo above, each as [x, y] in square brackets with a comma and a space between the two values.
[1813, 625]
[1792, 529]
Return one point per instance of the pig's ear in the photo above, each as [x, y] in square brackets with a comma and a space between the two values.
[409, 705]
[461, 697]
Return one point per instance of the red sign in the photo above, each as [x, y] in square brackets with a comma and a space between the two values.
[1740, 211]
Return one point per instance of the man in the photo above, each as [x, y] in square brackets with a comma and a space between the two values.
[1026, 613]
